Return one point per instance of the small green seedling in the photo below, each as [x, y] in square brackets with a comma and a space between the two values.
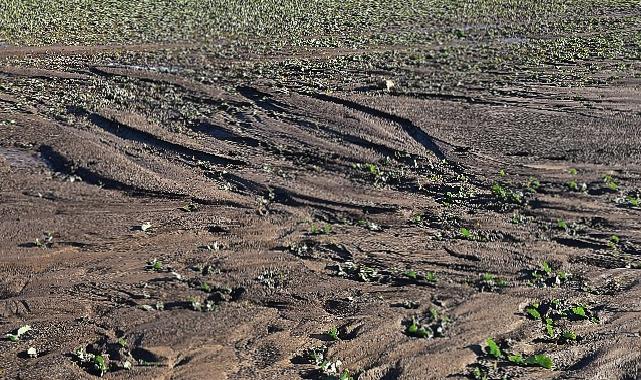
[533, 185]
[610, 183]
[533, 312]
[416, 219]
[549, 327]
[325, 229]
[493, 349]
[204, 286]
[369, 225]
[432, 325]
[491, 283]
[415, 330]
[155, 265]
[190, 207]
[357, 272]
[577, 187]
[122, 342]
[633, 200]
[506, 195]
[546, 276]
[18, 334]
[332, 333]
[101, 365]
[273, 279]
[543, 361]
[46, 241]
[573, 171]
[568, 336]
[466, 233]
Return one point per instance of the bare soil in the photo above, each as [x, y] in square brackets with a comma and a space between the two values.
[238, 178]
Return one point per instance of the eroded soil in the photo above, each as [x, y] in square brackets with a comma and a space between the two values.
[288, 193]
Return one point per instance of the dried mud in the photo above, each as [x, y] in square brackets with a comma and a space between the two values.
[93, 147]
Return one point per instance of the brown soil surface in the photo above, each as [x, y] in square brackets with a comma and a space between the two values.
[95, 142]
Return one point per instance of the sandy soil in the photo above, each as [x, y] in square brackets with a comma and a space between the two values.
[277, 212]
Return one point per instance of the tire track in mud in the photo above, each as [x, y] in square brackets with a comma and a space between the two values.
[266, 102]
[407, 125]
[114, 127]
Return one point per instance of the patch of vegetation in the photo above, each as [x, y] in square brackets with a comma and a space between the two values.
[433, 324]
[327, 369]
[491, 283]
[472, 235]
[418, 277]
[555, 312]
[610, 183]
[546, 277]
[357, 272]
[632, 199]
[333, 333]
[155, 265]
[189, 207]
[571, 229]
[577, 187]
[324, 229]
[507, 195]
[18, 334]
[273, 279]
[46, 241]
[497, 356]
[532, 185]
[104, 357]
[369, 225]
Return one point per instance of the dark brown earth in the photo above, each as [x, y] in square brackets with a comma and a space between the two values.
[94, 142]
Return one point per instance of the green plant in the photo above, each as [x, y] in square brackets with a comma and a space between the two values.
[101, 365]
[357, 272]
[466, 233]
[551, 312]
[332, 333]
[543, 361]
[493, 349]
[22, 330]
[431, 325]
[416, 219]
[369, 225]
[533, 185]
[490, 283]
[575, 186]
[155, 265]
[610, 183]
[546, 276]
[506, 195]
[189, 207]
[325, 229]
[273, 278]
[613, 242]
[46, 241]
